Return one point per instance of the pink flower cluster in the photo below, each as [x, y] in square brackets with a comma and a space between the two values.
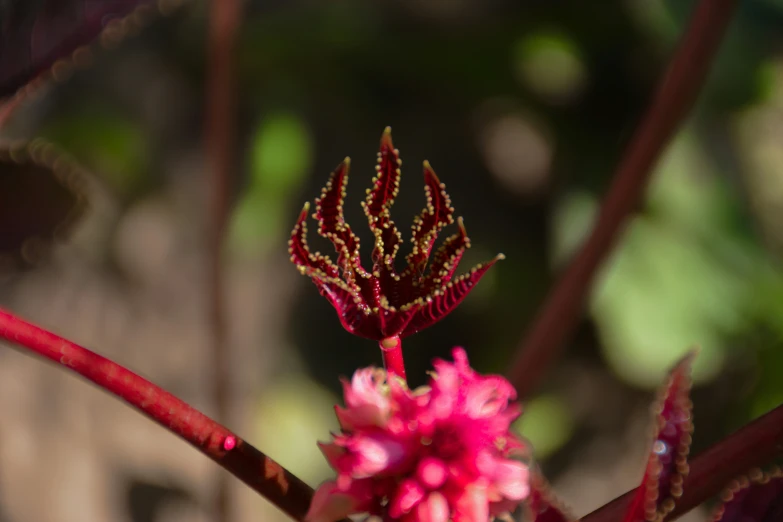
[436, 454]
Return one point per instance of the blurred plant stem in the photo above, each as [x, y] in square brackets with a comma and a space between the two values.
[7, 107]
[677, 91]
[756, 444]
[239, 458]
[391, 349]
[220, 145]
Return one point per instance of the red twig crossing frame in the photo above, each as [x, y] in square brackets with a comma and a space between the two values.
[242, 460]
[751, 446]
[676, 93]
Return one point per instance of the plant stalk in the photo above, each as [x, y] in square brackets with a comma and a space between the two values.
[391, 348]
[220, 138]
[676, 94]
[236, 456]
[753, 445]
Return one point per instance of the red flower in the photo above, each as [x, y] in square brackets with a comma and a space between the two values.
[432, 455]
[381, 303]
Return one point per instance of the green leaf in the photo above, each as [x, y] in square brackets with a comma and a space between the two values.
[291, 416]
[112, 146]
[679, 277]
[546, 423]
[281, 155]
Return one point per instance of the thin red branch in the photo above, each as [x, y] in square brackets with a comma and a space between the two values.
[239, 458]
[220, 139]
[754, 445]
[676, 94]
[7, 107]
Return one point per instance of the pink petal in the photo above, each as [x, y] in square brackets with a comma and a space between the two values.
[442, 406]
[460, 357]
[409, 493]
[431, 472]
[330, 503]
[332, 452]
[502, 507]
[366, 388]
[364, 416]
[435, 508]
[472, 505]
[511, 480]
[487, 397]
[514, 447]
[374, 454]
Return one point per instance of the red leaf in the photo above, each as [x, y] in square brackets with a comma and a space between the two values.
[667, 465]
[445, 261]
[542, 506]
[758, 498]
[436, 215]
[393, 320]
[42, 196]
[386, 186]
[440, 303]
[387, 243]
[370, 289]
[350, 308]
[331, 223]
[390, 303]
[300, 253]
[42, 36]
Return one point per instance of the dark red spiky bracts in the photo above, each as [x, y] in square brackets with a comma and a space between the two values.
[757, 497]
[381, 303]
[542, 505]
[667, 465]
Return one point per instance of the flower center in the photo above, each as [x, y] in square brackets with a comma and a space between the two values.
[448, 443]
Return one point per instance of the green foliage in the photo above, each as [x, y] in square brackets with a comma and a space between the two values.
[546, 423]
[550, 65]
[290, 416]
[681, 275]
[108, 143]
[281, 154]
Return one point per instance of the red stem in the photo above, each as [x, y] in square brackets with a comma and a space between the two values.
[754, 445]
[219, 136]
[676, 93]
[391, 348]
[7, 107]
[242, 460]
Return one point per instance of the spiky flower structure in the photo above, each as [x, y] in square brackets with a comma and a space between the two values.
[445, 453]
[380, 303]
[435, 454]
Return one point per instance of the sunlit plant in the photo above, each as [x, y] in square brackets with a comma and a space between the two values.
[445, 451]
[379, 303]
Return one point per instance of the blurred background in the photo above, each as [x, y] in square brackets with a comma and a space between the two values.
[522, 108]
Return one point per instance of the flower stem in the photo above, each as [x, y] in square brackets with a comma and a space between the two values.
[754, 445]
[391, 348]
[676, 93]
[239, 458]
[224, 18]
